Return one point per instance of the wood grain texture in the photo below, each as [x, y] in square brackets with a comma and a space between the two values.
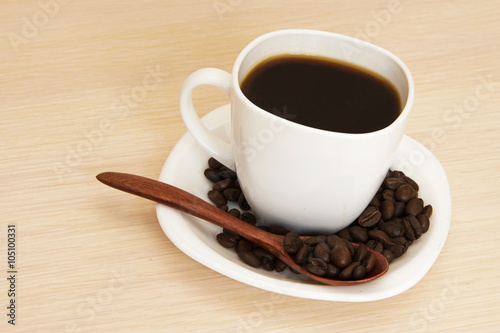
[73, 104]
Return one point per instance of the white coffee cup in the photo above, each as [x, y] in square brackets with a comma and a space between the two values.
[306, 179]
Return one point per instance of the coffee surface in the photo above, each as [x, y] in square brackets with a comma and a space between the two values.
[323, 93]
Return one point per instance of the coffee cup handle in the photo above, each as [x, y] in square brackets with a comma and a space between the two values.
[213, 145]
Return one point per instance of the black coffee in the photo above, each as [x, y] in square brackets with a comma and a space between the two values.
[323, 93]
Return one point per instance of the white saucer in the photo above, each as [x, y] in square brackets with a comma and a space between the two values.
[195, 237]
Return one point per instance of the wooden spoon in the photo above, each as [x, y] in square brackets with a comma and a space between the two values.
[179, 199]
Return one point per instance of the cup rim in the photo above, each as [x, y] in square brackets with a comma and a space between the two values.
[400, 120]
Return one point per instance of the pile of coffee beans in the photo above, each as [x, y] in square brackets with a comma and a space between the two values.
[330, 256]
[394, 219]
[226, 187]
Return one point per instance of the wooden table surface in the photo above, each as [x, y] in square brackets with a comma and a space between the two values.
[92, 86]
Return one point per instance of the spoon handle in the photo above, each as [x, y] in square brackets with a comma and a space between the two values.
[181, 200]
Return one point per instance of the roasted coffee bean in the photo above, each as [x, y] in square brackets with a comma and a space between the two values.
[231, 194]
[347, 272]
[231, 234]
[332, 271]
[267, 264]
[212, 174]
[424, 222]
[369, 262]
[322, 251]
[248, 218]
[243, 203]
[387, 209]
[399, 209]
[397, 220]
[213, 163]
[262, 253]
[278, 230]
[292, 242]
[227, 173]
[223, 184]
[397, 250]
[312, 241]
[302, 254]
[266, 258]
[388, 195]
[399, 240]
[414, 207]
[388, 255]
[217, 198]
[378, 247]
[359, 272]
[427, 211]
[359, 234]
[396, 174]
[333, 240]
[244, 245]
[317, 266]
[369, 217]
[279, 266]
[392, 183]
[249, 258]
[340, 256]
[224, 208]
[408, 229]
[375, 245]
[321, 238]
[236, 213]
[349, 246]
[375, 202]
[380, 236]
[404, 193]
[416, 226]
[344, 233]
[226, 240]
[412, 183]
[392, 229]
[361, 253]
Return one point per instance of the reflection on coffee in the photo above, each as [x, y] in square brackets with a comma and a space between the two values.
[323, 93]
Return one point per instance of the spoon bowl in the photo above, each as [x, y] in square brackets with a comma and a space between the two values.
[181, 200]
